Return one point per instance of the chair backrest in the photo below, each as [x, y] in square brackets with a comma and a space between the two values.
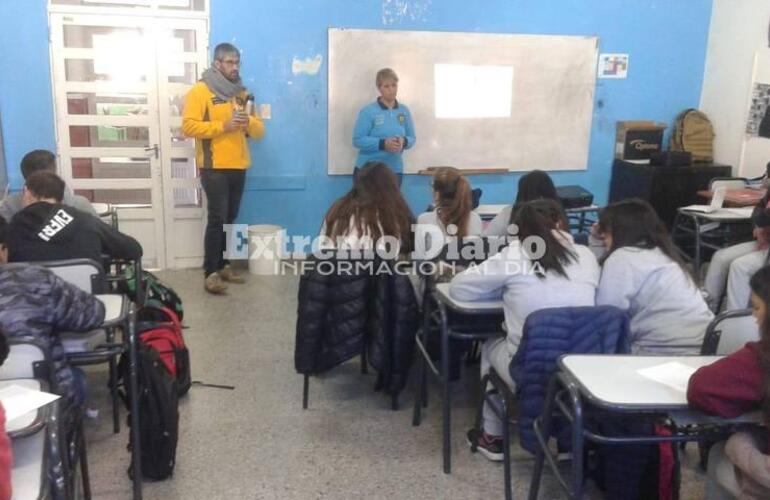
[85, 274]
[729, 331]
[24, 360]
[728, 182]
[550, 333]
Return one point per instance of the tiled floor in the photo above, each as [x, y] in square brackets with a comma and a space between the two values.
[256, 442]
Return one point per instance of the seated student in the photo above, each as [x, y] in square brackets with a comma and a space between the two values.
[373, 208]
[733, 266]
[535, 185]
[453, 202]
[737, 384]
[40, 160]
[6, 458]
[564, 275]
[48, 230]
[339, 312]
[36, 302]
[643, 273]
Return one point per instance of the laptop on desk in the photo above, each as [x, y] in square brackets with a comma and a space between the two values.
[716, 203]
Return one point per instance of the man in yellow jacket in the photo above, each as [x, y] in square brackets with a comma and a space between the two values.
[219, 114]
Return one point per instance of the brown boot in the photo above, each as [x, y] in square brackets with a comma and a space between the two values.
[227, 274]
[214, 284]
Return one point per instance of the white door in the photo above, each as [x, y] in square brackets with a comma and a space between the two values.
[119, 83]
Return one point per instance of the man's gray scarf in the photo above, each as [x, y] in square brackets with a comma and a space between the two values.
[221, 86]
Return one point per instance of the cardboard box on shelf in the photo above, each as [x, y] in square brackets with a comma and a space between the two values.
[637, 139]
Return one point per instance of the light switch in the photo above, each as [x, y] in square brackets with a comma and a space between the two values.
[265, 111]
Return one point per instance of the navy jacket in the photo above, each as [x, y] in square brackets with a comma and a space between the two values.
[549, 333]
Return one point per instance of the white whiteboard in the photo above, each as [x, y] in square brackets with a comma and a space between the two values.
[549, 122]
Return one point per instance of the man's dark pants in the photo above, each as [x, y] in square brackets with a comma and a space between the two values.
[224, 188]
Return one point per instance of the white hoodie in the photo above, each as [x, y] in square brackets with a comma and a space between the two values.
[668, 312]
[506, 275]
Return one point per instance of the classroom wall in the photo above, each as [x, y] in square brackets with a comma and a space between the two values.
[738, 29]
[288, 184]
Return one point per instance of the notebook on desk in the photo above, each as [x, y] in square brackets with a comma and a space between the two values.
[716, 203]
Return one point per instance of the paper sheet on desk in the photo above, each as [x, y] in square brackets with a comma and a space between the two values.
[672, 374]
[18, 400]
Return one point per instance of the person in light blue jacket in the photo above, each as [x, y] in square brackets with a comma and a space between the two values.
[643, 273]
[384, 128]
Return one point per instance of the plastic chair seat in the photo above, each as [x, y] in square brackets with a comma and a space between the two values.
[78, 342]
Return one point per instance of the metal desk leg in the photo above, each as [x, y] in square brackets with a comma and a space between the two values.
[136, 451]
[547, 416]
[577, 444]
[696, 262]
[421, 394]
[507, 450]
[447, 424]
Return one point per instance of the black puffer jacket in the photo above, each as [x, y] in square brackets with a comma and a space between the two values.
[342, 307]
[391, 335]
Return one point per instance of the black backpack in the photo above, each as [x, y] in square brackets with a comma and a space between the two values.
[158, 413]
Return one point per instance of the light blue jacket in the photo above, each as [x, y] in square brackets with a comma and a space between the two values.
[375, 123]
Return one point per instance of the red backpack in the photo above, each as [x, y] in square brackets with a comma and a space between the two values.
[160, 329]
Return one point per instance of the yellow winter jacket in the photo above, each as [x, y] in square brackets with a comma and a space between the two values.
[204, 119]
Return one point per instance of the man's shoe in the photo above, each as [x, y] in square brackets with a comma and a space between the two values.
[489, 446]
[227, 274]
[214, 284]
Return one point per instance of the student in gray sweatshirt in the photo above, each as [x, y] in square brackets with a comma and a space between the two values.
[643, 274]
[553, 273]
[535, 185]
[40, 160]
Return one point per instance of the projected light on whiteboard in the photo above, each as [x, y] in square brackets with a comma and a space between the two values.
[465, 91]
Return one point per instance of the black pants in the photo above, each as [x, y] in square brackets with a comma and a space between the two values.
[224, 188]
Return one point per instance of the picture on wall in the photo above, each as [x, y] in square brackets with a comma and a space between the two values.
[758, 123]
[612, 66]
[755, 151]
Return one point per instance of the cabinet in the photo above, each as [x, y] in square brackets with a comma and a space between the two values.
[666, 188]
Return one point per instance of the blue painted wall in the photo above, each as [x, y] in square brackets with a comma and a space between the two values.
[288, 184]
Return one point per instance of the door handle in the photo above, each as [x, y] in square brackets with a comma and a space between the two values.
[154, 149]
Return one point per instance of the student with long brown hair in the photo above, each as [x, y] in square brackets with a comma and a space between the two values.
[643, 274]
[373, 208]
[737, 384]
[453, 215]
[558, 273]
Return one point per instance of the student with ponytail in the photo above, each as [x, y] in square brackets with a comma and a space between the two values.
[643, 273]
[730, 387]
[453, 215]
[541, 268]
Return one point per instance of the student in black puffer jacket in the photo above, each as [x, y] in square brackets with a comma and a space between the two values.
[351, 298]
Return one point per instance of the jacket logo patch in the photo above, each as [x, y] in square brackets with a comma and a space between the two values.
[58, 222]
[217, 100]
[379, 120]
[401, 118]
